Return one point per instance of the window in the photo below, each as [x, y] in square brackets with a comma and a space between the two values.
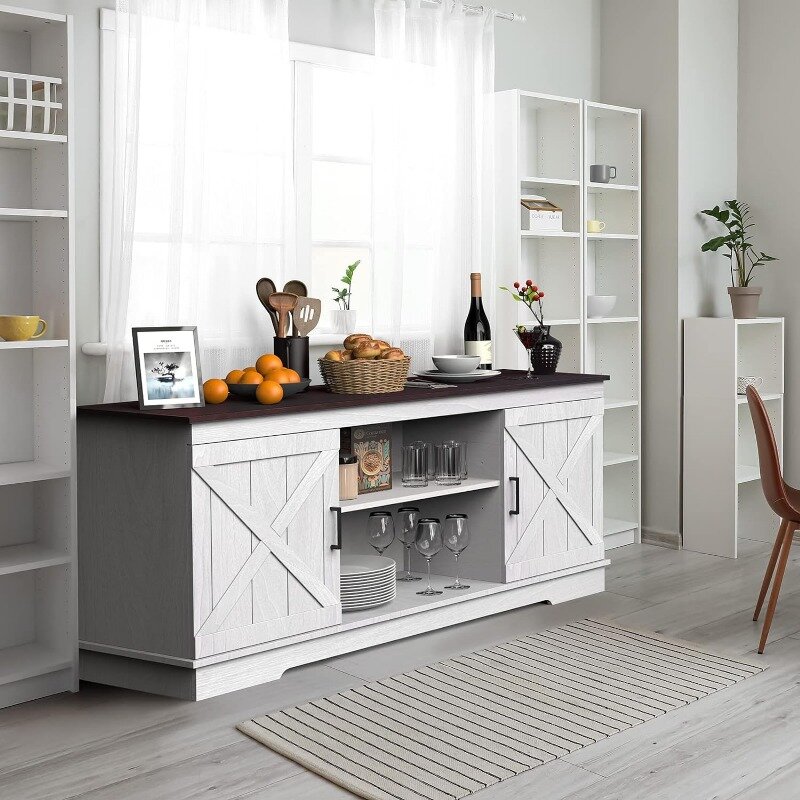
[333, 177]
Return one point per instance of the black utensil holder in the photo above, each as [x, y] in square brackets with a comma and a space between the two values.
[293, 352]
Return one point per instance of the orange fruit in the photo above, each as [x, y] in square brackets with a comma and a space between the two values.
[268, 362]
[215, 390]
[269, 392]
[234, 376]
[251, 376]
[283, 375]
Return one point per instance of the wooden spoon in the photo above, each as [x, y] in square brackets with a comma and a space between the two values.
[284, 304]
[298, 288]
[264, 288]
[306, 315]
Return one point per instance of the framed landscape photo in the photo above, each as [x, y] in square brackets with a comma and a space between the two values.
[168, 367]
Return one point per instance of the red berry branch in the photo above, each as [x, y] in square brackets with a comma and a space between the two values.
[530, 294]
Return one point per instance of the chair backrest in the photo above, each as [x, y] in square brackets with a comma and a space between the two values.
[769, 460]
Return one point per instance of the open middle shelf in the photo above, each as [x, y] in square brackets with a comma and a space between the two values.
[403, 494]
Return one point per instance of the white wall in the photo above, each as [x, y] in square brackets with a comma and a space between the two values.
[676, 60]
[769, 121]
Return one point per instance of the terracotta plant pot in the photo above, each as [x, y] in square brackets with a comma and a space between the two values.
[744, 301]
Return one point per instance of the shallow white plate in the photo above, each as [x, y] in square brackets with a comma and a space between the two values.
[371, 598]
[369, 604]
[366, 593]
[365, 565]
[360, 580]
[457, 377]
[368, 587]
[387, 580]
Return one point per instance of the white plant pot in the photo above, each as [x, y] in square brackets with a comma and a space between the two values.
[343, 321]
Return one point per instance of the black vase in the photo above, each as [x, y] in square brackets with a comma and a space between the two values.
[545, 352]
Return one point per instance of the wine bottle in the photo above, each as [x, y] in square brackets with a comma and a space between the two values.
[477, 333]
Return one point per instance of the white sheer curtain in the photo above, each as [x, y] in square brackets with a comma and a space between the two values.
[203, 110]
[434, 169]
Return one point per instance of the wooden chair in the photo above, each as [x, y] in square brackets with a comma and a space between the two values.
[782, 499]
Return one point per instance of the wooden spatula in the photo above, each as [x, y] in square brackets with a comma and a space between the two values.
[306, 315]
[264, 288]
[283, 303]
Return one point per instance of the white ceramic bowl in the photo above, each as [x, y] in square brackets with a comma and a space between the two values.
[600, 305]
[456, 363]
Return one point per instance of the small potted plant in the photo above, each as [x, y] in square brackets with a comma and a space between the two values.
[543, 349]
[344, 318]
[741, 253]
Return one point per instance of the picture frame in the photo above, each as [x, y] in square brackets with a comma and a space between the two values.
[167, 363]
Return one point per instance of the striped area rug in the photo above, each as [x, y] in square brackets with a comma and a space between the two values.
[455, 727]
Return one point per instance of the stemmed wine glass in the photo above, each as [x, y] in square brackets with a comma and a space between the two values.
[428, 543]
[409, 517]
[380, 530]
[527, 338]
[456, 540]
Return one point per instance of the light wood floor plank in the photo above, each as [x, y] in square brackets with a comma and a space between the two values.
[739, 743]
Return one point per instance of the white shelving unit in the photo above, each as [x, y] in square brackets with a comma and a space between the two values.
[547, 145]
[38, 597]
[722, 495]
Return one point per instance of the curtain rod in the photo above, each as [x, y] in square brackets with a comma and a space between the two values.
[481, 9]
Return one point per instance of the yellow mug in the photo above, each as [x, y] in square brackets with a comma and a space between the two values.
[14, 328]
[594, 225]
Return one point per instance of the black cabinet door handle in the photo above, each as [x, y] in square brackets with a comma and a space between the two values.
[338, 512]
[515, 510]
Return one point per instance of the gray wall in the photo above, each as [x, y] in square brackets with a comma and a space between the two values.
[676, 60]
[769, 120]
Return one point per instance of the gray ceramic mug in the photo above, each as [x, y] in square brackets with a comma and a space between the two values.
[602, 173]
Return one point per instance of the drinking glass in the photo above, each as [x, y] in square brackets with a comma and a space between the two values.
[456, 539]
[527, 337]
[415, 464]
[380, 530]
[462, 446]
[428, 543]
[409, 518]
[448, 463]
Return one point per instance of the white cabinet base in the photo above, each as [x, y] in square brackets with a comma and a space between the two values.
[200, 679]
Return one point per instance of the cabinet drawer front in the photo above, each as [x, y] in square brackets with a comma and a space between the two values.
[553, 457]
[261, 531]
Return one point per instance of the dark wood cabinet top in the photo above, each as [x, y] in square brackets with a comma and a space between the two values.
[318, 398]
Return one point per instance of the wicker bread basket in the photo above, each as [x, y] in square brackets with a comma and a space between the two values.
[365, 375]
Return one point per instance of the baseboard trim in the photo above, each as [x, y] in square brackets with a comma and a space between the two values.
[671, 539]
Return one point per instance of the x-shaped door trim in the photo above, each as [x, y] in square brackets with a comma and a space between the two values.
[270, 542]
[556, 488]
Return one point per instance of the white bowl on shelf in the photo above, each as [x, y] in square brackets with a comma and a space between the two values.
[456, 364]
[600, 305]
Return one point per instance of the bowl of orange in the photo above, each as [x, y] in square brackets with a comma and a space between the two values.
[269, 368]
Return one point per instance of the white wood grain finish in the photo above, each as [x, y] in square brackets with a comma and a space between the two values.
[288, 536]
[558, 523]
[260, 526]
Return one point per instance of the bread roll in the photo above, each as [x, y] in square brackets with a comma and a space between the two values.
[393, 354]
[354, 339]
[345, 355]
[367, 350]
[383, 345]
[333, 355]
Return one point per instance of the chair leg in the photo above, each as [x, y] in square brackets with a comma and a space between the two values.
[770, 568]
[786, 546]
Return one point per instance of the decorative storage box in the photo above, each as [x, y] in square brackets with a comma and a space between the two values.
[539, 214]
[372, 445]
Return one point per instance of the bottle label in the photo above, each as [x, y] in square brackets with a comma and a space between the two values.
[482, 349]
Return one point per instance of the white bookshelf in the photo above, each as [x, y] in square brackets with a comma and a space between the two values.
[38, 597]
[545, 146]
[722, 496]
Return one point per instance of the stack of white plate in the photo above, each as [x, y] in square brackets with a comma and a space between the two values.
[367, 581]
